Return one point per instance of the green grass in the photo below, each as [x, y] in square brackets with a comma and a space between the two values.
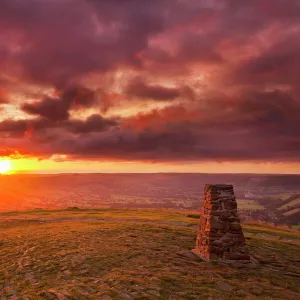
[102, 254]
[194, 216]
[246, 204]
[290, 204]
[256, 228]
[291, 212]
[282, 196]
[297, 227]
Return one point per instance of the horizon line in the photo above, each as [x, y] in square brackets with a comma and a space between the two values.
[129, 173]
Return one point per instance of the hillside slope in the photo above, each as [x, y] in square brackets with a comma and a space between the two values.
[136, 254]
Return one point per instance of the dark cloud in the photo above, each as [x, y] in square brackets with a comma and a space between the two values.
[38, 127]
[60, 40]
[22, 128]
[140, 89]
[12, 128]
[244, 53]
[49, 108]
[278, 64]
[94, 123]
[97, 36]
[3, 96]
[199, 48]
[262, 127]
[58, 109]
[259, 127]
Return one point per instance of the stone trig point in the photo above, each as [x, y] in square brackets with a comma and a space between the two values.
[220, 234]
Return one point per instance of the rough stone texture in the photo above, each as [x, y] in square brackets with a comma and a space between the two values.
[220, 234]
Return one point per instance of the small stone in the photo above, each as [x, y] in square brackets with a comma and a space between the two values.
[48, 295]
[224, 286]
[11, 292]
[77, 260]
[186, 253]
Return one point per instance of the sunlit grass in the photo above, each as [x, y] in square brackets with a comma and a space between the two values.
[132, 254]
[97, 254]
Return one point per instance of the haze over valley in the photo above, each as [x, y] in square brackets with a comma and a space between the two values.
[273, 198]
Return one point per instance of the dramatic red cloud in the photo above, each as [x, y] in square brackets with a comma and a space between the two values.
[159, 120]
[158, 80]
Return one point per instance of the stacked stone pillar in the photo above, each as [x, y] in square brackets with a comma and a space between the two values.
[220, 234]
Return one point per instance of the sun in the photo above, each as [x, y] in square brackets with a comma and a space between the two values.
[5, 166]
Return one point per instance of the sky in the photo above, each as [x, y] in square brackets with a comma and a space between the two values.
[150, 86]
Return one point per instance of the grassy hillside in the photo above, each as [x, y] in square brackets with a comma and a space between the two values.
[136, 254]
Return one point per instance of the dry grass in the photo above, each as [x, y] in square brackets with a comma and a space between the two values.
[132, 254]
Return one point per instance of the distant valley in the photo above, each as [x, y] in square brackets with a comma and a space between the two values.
[271, 198]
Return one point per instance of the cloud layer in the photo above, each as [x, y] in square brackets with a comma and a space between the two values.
[160, 80]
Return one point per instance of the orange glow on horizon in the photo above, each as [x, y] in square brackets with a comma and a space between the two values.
[26, 165]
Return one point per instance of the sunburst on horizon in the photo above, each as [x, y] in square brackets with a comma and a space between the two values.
[5, 166]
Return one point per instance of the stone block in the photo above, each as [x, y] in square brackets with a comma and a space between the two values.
[230, 205]
[215, 223]
[235, 226]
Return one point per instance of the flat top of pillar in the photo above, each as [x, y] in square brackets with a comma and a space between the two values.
[219, 186]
